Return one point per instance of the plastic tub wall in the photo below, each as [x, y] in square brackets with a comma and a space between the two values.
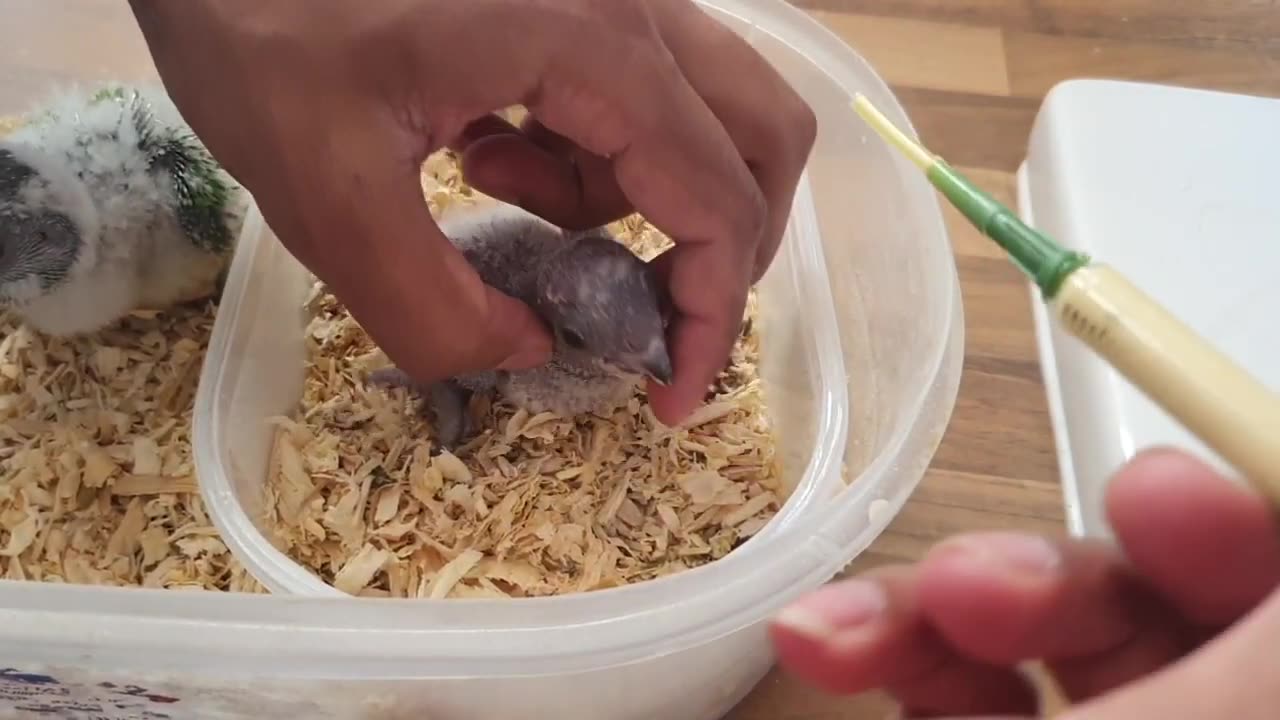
[687, 647]
[255, 367]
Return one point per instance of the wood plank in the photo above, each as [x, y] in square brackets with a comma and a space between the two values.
[1037, 62]
[1238, 24]
[991, 13]
[1234, 24]
[1000, 428]
[960, 58]
[975, 131]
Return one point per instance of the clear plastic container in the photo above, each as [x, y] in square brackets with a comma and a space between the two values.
[862, 335]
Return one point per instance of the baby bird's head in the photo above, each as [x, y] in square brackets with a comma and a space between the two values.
[604, 304]
[45, 212]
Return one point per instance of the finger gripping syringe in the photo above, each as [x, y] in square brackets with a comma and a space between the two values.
[1231, 411]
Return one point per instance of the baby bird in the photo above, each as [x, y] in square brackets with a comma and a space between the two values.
[109, 204]
[599, 299]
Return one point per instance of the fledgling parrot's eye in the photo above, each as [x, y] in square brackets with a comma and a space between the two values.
[573, 338]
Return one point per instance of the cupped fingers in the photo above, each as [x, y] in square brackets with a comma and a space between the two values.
[675, 163]
[1210, 546]
[483, 127]
[868, 633]
[1198, 553]
[771, 125]
[1006, 598]
[376, 244]
[600, 199]
[707, 285]
[540, 171]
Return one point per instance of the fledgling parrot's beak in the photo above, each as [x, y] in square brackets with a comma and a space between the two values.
[656, 363]
[653, 362]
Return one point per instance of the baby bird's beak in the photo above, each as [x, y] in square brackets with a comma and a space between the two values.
[657, 364]
[652, 362]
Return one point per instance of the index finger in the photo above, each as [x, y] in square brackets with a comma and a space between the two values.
[772, 127]
[374, 242]
[678, 166]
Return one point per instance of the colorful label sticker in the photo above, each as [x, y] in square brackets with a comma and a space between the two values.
[39, 696]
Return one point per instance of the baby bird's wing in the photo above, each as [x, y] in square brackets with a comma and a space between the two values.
[203, 193]
[506, 245]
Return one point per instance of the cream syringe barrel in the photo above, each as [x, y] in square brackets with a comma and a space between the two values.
[1229, 409]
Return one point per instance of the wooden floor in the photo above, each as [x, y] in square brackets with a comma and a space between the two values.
[971, 74]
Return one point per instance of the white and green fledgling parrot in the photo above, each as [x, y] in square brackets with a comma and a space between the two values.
[110, 204]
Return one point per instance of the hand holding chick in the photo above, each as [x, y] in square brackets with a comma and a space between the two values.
[636, 106]
[109, 204]
[601, 302]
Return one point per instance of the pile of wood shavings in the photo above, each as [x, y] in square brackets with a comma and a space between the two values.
[96, 477]
[536, 505]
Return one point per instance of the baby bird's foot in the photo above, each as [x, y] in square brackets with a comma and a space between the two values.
[444, 404]
[447, 403]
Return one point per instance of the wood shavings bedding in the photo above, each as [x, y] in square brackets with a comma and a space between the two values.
[535, 506]
[96, 477]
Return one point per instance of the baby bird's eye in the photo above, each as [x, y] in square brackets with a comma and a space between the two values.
[573, 338]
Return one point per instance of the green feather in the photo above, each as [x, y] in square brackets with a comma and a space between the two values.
[108, 93]
[201, 190]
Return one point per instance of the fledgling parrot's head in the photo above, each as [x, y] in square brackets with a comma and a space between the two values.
[604, 303]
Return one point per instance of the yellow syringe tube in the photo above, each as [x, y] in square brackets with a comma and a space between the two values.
[1231, 411]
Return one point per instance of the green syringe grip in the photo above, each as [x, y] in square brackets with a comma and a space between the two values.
[1043, 260]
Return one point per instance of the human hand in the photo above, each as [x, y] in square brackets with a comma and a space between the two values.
[325, 111]
[1182, 626]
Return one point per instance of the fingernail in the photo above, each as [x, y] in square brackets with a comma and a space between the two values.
[1006, 552]
[835, 608]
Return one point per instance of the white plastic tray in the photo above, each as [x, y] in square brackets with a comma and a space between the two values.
[1176, 188]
